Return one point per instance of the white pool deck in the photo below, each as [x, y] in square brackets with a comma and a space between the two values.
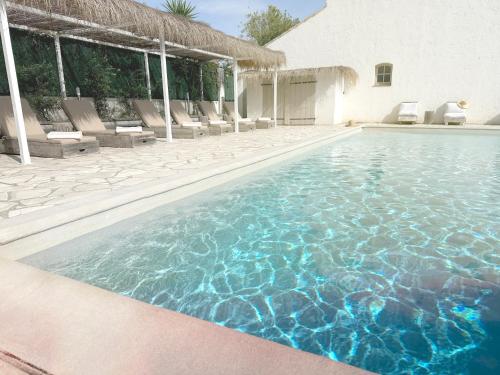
[53, 324]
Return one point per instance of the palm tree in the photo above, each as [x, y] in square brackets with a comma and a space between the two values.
[181, 8]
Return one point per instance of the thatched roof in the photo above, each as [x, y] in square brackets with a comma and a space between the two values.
[136, 25]
[350, 75]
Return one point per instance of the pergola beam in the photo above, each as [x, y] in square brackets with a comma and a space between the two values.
[15, 95]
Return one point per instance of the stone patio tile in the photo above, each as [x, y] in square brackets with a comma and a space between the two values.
[27, 194]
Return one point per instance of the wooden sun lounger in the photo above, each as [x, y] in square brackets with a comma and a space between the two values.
[216, 125]
[38, 144]
[84, 117]
[244, 124]
[152, 119]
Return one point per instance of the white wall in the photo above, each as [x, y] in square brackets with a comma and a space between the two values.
[442, 50]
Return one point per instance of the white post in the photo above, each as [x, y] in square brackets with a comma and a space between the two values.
[221, 77]
[236, 109]
[201, 82]
[60, 69]
[15, 96]
[275, 97]
[148, 75]
[164, 80]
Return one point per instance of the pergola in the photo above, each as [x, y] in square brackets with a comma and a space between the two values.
[128, 25]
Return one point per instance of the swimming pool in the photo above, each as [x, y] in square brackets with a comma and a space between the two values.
[381, 250]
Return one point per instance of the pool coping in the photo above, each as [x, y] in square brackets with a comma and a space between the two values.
[31, 233]
[54, 325]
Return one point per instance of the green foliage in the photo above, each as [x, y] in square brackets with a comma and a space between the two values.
[104, 72]
[210, 81]
[181, 8]
[98, 82]
[36, 71]
[35, 80]
[100, 72]
[228, 83]
[183, 79]
[267, 25]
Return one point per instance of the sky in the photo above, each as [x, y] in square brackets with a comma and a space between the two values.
[229, 15]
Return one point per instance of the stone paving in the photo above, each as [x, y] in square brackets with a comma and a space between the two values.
[50, 182]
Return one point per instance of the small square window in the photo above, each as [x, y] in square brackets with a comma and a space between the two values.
[383, 75]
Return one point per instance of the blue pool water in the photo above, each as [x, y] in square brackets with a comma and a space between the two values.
[381, 251]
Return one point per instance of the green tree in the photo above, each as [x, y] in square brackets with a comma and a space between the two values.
[181, 8]
[267, 25]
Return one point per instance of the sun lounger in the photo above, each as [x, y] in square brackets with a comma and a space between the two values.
[408, 112]
[264, 123]
[84, 117]
[454, 114]
[58, 146]
[245, 124]
[185, 129]
[216, 125]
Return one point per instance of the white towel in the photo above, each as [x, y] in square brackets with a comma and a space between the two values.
[217, 122]
[191, 124]
[264, 119]
[128, 129]
[65, 135]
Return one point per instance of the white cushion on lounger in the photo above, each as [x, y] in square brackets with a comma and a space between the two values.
[217, 122]
[264, 118]
[65, 135]
[128, 129]
[245, 120]
[192, 124]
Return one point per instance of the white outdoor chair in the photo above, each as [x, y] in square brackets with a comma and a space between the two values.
[454, 114]
[408, 112]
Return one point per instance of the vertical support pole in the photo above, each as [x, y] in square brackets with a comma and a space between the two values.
[202, 94]
[275, 97]
[148, 75]
[164, 80]
[60, 69]
[15, 96]
[221, 77]
[236, 101]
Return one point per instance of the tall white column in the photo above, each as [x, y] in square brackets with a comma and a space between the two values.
[13, 85]
[202, 94]
[60, 69]
[148, 75]
[275, 97]
[236, 109]
[166, 96]
[221, 78]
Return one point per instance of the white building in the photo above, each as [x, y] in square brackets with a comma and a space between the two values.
[430, 51]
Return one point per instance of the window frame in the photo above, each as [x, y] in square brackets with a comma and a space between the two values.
[383, 74]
